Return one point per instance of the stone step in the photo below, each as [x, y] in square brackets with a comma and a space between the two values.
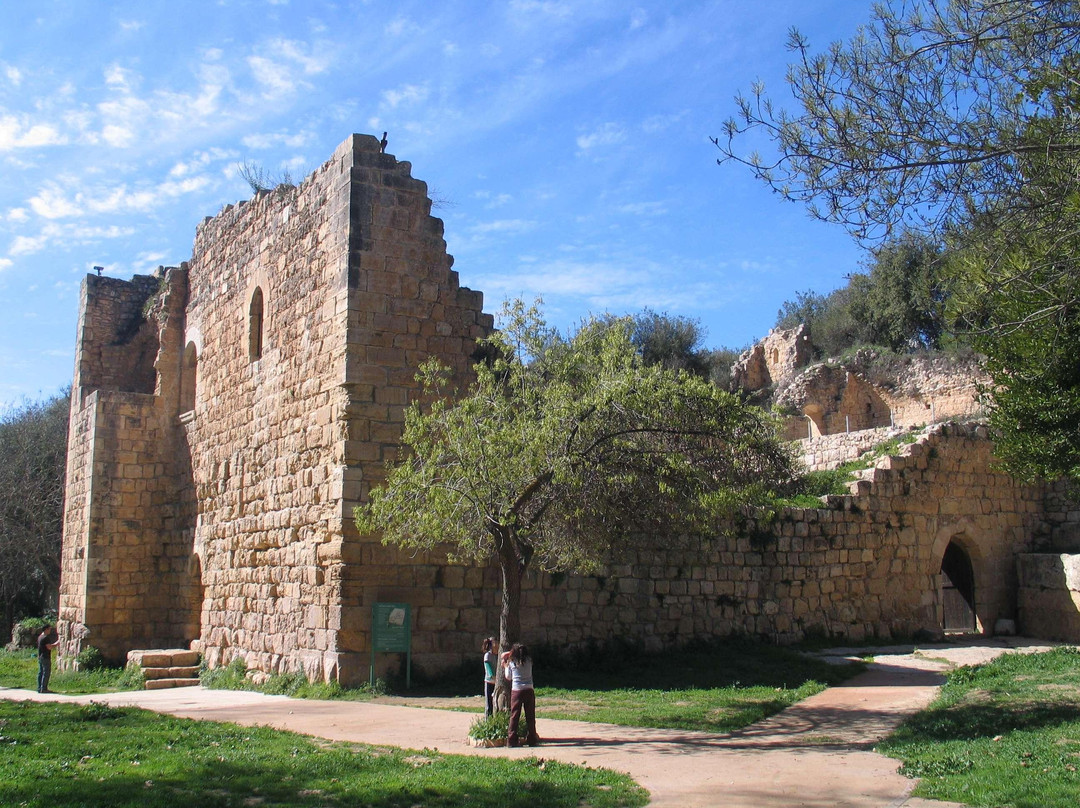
[163, 658]
[184, 672]
[162, 684]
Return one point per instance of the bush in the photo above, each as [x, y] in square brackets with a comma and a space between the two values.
[25, 632]
[496, 727]
[89, 659]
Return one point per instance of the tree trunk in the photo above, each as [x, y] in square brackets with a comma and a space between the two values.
[509, 616]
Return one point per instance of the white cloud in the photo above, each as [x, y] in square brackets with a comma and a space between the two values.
[402, 26]
[545, 7]
[5, 263]
[18, 215]
[503, 226]
[119, 77]
[55, 202]
[610, 134]
[18, 133]
[643, 208]
[277, 68]
[268, 141]
[410, 93]
[65, 235]
[131, 25]
[14, 75]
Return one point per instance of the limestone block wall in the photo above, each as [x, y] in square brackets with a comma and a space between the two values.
[829, 451]
[113, 349]
[865, 565]
[122, 570]
[1049, 595]
[353, 290]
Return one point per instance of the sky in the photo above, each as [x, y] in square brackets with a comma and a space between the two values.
[565, 144]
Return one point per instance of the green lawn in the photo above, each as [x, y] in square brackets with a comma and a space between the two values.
[93, 755]
[716, 687]
[1002, 734]
[20, 669]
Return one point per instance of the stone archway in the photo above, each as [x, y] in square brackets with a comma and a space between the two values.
[957, 591]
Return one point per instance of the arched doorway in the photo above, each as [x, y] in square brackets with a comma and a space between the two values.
[957, 591]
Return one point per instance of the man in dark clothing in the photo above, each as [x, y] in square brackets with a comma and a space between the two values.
[47, 641]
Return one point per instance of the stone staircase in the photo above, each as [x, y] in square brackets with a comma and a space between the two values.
[169, 667]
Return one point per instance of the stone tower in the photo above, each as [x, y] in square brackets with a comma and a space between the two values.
[228, 415]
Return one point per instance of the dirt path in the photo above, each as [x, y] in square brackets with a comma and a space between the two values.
[815, 754]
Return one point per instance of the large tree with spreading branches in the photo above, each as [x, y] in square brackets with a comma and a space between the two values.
[563, 449]
[957, 119]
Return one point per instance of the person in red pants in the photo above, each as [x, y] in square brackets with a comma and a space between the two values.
[522, 696]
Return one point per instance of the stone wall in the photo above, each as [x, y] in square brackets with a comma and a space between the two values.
[861, 566]
[829, 451]
[274, 369]
[1049, 595]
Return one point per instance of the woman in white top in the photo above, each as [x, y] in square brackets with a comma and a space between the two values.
[522, 696]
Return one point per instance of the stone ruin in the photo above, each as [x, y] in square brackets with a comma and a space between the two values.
[230, 412]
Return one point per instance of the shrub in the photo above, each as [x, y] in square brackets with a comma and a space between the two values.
[89, 659]
[496, 727]
[25, 633]
[98, 711]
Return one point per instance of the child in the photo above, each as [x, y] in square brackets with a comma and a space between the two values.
[489, 675]
[522, 696]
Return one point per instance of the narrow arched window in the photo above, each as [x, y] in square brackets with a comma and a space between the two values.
[255, 325]
[188, 371]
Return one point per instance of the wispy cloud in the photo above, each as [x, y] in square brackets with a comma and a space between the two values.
[58, 235]
[408, 94]
[54, 201]
[610, 134]
[17, 132]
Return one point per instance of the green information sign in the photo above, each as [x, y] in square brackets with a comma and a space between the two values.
[391, 632]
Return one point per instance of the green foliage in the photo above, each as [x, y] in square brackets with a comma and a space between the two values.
[1005, 733]
[496, 727]
[671, 342]
[33, 455]
[89, 659]
[563, 448]
[19, 669]
[234, 676]
[226, 677]
[956, 120]
[899, 304]
[132, 678]
[53, 755]
[26, 632]
[100, 711]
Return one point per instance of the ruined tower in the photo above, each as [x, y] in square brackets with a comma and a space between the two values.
[228, 415]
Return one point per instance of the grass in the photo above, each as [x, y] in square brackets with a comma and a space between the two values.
[1005, 733]
[716, 687]
[234, 677]
[19, 669]
[96, 755]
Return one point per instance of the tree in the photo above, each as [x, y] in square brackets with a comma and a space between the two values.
[33, 456]
[563, 449]
[955, 119]
[673, 342]
[900, 303]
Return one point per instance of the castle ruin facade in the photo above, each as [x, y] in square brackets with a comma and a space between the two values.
[229, 413]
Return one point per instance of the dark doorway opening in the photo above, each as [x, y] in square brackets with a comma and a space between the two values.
[958, 590]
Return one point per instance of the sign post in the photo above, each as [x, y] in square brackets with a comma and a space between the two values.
[391, 631]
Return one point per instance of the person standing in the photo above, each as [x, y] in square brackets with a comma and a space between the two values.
[47, 641]
[522, 695]
[489, 647]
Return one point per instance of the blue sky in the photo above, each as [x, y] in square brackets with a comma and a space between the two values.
[566, 144]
